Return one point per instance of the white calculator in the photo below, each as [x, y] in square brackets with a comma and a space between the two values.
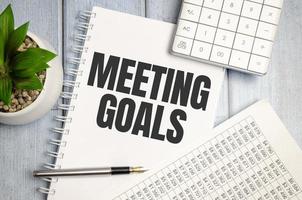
[236, 34]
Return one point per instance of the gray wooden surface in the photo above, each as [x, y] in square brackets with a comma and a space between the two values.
[22, 147]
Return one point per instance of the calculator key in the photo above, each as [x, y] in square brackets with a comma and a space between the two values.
[232, 6]
[228, 21]
[214, 4]
[220, 54]
[270, 14]
[205, 33]
[197, 2]
[182, 45]
[209, 17]
[262, 47]
[239, 59]
[243, 42]
[247, 26]
[275, 3]
[266, 31]
[258, 64]
[186, 28]
[190, 12]
[251, 10]
[201, 50]
[224, 38]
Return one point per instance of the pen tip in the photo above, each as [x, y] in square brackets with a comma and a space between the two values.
[138, 169]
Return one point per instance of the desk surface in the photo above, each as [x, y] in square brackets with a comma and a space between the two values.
[22, 148]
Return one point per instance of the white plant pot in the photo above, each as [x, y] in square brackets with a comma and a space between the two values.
[48, 96]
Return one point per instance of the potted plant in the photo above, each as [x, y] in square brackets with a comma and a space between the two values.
[31, 75]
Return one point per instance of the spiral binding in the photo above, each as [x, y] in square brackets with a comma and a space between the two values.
[69, 93]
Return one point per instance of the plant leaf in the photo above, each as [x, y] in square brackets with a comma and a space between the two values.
[7, 23]
[30, 71]
[15, 39]
[31, 58]
[6, 87]
[2, 49]
[32, 83]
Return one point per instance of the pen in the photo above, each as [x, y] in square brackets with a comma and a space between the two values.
[89, 171]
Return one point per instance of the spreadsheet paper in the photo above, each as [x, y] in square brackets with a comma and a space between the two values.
[250, 156]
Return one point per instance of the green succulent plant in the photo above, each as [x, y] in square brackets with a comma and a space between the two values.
[18, 69]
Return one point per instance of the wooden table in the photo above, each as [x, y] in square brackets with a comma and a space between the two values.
[22, 148]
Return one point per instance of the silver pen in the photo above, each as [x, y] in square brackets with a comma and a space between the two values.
[89, 171]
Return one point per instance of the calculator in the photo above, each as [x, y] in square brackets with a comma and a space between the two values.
[236, 34]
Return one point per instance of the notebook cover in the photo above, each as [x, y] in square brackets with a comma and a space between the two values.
[136, 104]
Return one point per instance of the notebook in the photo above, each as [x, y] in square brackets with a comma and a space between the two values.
[133, 103]
[250, 156]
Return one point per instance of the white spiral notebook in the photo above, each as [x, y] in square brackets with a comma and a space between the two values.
[132, 102]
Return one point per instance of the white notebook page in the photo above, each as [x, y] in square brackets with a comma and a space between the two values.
[88, 145]
[250, 156]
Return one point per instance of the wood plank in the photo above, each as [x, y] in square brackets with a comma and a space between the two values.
[282, 86]
[167, 10]
[164, 10]
[22, 147]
